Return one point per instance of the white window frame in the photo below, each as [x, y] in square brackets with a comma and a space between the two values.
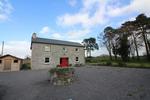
[47, 48]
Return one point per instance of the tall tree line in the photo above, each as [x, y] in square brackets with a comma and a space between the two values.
[127, 39]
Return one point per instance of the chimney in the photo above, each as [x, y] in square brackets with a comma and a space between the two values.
[34, 36]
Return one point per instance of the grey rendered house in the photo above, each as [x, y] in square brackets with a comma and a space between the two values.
[49, 53]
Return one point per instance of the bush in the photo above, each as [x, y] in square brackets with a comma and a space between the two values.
[108, 63]
[122, 64]
[61, 70]
[25, 66]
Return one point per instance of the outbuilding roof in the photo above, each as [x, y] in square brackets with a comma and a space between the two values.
[10, 56]
[55, 42]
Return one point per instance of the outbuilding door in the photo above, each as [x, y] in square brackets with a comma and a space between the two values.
[64, 62]
[7, 64]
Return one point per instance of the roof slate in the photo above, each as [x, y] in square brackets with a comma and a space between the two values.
[56, 42]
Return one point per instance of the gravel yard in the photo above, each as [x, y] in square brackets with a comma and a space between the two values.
[91, 83]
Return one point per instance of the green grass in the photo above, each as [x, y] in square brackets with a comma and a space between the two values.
[105, 61]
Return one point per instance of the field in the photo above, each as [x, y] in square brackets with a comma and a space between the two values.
[105, 61]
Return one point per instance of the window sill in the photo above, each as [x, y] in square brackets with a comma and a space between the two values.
[46, 63]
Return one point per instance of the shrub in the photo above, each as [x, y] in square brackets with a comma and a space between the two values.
[25, 66]
[61, 70]
[108, 63]
[122, 64]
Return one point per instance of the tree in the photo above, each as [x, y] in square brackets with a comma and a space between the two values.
[130, 29]
[142, 23]
[90, 45]
[108, 39]
[123, 48]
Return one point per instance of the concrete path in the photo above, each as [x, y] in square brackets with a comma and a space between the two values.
[92, 83]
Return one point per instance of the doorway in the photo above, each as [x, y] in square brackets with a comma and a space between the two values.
[64, 62]
[7, 64]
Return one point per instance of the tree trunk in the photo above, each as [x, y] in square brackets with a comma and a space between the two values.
[136, 47]
[146, 46]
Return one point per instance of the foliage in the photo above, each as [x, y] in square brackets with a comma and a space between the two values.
[90, 45]
[105, 61]
[25, 66]
[61, 70]
[123, 49]
[126, 40]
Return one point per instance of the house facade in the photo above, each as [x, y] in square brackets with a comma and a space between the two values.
[10, 63]
[49, 53]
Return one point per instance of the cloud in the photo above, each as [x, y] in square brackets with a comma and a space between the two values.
[90, 14]
[57, 36]
[17, 48]
[99, 12]
[5, 10]
[77, 34]
[72, 2]
[139, 6]
[45, 30]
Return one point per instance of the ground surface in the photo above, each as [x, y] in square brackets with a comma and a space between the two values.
[98, 83]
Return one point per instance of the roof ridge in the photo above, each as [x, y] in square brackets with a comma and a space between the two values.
[55, 41]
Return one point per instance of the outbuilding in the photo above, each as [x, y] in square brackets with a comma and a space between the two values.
[10, 63]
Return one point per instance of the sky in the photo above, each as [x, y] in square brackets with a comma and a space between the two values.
[70, 20]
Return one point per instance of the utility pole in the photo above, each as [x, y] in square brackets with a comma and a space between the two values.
[2, 48]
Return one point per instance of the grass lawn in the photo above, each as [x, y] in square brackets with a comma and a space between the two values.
[104, 61]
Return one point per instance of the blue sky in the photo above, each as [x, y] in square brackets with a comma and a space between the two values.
[71, 20]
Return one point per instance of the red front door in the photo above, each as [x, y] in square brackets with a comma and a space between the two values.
[64, 62]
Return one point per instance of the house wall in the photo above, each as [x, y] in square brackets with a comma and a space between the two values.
[55, 53]
[14, 66]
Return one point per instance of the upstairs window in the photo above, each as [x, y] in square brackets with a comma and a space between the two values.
[0, 61]
[47, 60]
[65, 49]
[47, 48]
[76, 49]
[15, 61]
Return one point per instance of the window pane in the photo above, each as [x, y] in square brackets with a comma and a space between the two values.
[77, 58]
[46, 60]
[77, 49]
[15, 61]
[0, 61]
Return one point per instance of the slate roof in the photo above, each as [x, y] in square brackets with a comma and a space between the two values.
[55, 42]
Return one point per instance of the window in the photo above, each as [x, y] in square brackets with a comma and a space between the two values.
[0, 61]
[47, 60]
[15, 61]
[77, 59]
[77, 49]
[65, 49]
[47, 48]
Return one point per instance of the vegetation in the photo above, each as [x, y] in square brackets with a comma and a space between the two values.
[105, 61]
[90, 45]
[25, 66]
[61, 76]
[126, 40]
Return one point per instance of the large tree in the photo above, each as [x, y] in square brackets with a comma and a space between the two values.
[142, 23]
[131, 29]
[90, 45]
[108, 40]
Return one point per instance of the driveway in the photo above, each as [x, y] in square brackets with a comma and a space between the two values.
[91, 83]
